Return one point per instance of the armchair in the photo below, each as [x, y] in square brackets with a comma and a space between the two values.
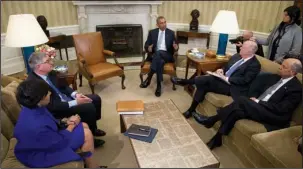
[92, 61]
[169, 68]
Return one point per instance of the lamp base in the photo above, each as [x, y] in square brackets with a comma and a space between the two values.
[222, 44]
[221, 57]
[27, 51]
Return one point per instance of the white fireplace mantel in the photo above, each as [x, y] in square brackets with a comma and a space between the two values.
[93, 13]
[117, 3]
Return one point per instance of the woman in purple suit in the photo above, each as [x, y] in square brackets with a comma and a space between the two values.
[42, 140]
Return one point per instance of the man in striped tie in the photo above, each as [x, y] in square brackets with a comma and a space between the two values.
[66, 102]
[273, 106]
[240, 70]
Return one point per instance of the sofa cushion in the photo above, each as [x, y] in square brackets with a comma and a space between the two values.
[9, 102]
[5, 80]
[4, 147]
[218, 100]
[279, 147]
[7, 126]
[268, 66]
[249, 127]
[10, 160]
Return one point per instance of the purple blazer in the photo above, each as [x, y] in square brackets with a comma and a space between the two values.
[40, 142]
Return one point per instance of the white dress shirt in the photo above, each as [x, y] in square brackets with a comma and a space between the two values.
[161, 42]
[273, 92]
[73, 95]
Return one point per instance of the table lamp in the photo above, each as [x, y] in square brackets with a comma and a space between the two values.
[225, 23]
[24, 31]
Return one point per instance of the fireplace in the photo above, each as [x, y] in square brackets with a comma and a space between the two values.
[126, 40]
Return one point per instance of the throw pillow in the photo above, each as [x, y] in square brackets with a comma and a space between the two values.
[9, 102]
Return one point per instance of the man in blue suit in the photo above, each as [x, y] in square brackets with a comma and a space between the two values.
[161, 44]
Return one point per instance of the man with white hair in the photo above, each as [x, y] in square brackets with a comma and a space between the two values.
[271, 103]
[240, 70]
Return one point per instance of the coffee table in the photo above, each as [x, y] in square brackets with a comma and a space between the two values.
[176, 144]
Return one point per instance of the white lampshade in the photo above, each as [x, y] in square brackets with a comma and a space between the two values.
[225, 22]
[23, 30]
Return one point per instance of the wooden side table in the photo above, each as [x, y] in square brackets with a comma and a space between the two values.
[70, 77]
[202, 66]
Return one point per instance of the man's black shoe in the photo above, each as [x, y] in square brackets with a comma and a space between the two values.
[187, 114]
[177, 81]
[99, 133]
[204, 120]
[98, 143]
[214, 142]
[158, 92]
[145, 84]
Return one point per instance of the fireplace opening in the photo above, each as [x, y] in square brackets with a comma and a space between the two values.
[126, 40]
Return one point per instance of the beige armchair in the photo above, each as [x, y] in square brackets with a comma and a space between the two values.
[92, 61]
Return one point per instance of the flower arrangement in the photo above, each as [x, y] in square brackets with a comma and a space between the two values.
[50, 51]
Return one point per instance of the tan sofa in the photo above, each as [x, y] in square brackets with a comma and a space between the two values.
[9, 114]
[251, 142]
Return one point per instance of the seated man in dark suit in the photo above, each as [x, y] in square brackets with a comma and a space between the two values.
[161, 43]
[240, 70]
[64, 101]
[271, 103]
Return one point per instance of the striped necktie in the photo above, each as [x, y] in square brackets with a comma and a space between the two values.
[234, 67]
[62, 95]
[270, 90]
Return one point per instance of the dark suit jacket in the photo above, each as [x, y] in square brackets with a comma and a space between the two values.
[56, 105]
[241, 78]
[153, 39]
[285, 100]
[281, 105]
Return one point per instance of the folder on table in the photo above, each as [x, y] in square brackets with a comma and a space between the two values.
[130, 107]
[149, 139]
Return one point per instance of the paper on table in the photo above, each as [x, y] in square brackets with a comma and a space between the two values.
[218, 76]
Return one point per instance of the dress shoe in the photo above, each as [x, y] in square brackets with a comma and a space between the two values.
[145, 84]
[214, 142]
[204, 120]
[187, 114]
[177, 81]
[99, 133]
[158, 92]
[98, 142]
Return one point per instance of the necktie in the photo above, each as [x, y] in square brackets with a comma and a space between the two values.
[234, 67]
[63, 96]
[160, 39]
[270, 90]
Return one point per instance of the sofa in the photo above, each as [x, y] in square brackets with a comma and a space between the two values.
[250, 141]
[10, 110]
